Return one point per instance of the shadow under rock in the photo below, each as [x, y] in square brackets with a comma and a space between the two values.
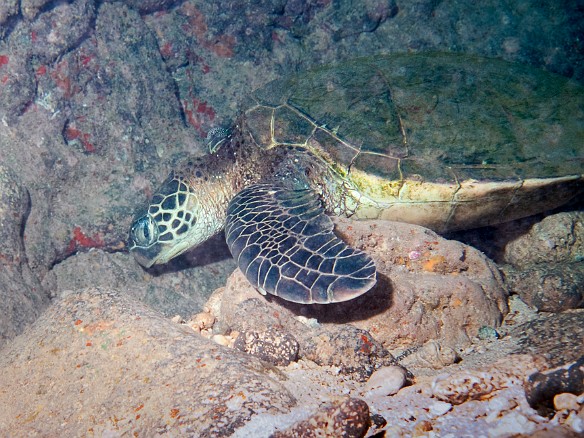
[212, 251]
[371, 303]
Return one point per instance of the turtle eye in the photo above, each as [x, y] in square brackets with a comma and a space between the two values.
[144, 231]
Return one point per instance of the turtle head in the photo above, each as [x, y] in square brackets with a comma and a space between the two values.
[175, 220]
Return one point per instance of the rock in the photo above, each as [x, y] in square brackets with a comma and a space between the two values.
[182, 292]
[377, 422]
[430, 355]
[512, 424]
[272, 346]
[87, 108]
[385, 381]
[549, 287]
[18, 87]
[541, 256]
[60, 28]
[486, 333]
[542, 387]
[8, 8]
[462, 386]
[30, 8]
[221, 340]
[555, 239]
[98, 361]
[202, 321]
[439, 408]
[21, 296]
[429, 288]
[351, 349]
[567, 401]
[545, 262]
[556, 338]
[553, 432]
[135, 65]
[499, 405]
[347, 418]
[147, 6]
[576, 421]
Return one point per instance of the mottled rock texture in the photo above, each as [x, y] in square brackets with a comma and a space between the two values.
[351, 349]
[99, 363]
[556, 338]
[21, 296]
[460, 387]
[546, 262]
[542, 388]
[343, 418]
[270, 346]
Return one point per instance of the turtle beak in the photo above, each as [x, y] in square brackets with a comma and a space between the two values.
[143, 257]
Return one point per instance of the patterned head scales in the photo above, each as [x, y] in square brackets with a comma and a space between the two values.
[170, 225]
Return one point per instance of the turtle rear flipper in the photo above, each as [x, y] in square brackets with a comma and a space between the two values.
[284, 244]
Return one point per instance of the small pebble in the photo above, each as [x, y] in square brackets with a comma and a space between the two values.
[221, 340]
[436, 356]
[343, 418]
[310, 322]
[567, 401]
[439, 408]
[385, 381]
[202, 321]
[486, 332]
[272, 346]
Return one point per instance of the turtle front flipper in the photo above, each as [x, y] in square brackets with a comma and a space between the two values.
[284, 243]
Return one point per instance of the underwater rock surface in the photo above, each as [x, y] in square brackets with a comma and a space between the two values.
[545, 265]
[97, 362]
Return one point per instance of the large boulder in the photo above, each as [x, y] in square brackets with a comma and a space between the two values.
[99, 363]
[428, 289]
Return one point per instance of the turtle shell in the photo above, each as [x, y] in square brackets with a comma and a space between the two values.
[445, 140]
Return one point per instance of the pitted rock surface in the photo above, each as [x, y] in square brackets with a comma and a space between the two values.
[556, 238]
[546, 263]
[272, 346]
[549, 287]
[462, 386]
[556, 338]
[343, 418]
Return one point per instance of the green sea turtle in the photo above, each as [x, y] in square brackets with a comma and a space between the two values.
[442, 140]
